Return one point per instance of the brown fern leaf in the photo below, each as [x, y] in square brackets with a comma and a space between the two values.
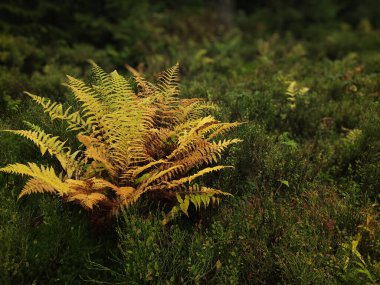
[87, 200]
[146, 88]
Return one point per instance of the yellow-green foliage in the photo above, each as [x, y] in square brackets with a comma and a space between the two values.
[352, 136]
[293, 91]
[133, 142]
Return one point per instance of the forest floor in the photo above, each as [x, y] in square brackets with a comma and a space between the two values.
[306, 177]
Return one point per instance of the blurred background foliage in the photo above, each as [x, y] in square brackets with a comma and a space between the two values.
[304, 76]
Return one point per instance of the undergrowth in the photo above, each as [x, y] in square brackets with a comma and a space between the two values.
[305, 182]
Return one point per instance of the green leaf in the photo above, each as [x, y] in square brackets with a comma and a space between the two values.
[284, 182]
[179, 198]
[185, 205]
[142, 178]
[205, 200]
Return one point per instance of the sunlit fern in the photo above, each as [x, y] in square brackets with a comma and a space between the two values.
[294, 91]
[134, 142]
[352, 136]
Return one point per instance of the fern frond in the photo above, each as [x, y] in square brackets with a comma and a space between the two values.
[222, 128]
[159, 142]
[127, 195]
[87, 200]
[46, 142]
[206, 154]
[53, 145]
[102, 78]
[97, 151]
[147, 88]
[163, 175]
[56, 111]
[91, 185]
[169, 81]
[189, 139]
[94, 110]
[45, 174]
[33, 126]
[135, 172]
[176, 183]
[196, 109]
[198, 196]
[122, 90]
[223, 144]
[293, 91]
[213, 191]
[98, 184]
[36, 185]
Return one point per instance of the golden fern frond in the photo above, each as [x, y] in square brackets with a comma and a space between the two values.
[205, 123]
[102, 78]
[184, 127]
[87, 200]
[125, 192]
[98, 151]
[126, 196]
[223, 128]
[199, 146]
[213, 153]
[164, 95]
[93, 109]
[169, 81]
[36, 185]
[195, 108]
[33, 126]
[137, 171]
[56, 111]
[46, 142]
[45, 174]
[163, 175]
[197, 158]
[100, 155]
[223, 144]
[90, 185]
[114, 91]
[122, 90]
[53, 145]
[99, 184]
[213, 128]
[126, 137]
[147, 88]
[189, 138]
[77, 185]
[188, 179]
[206, 153]
[158, 143]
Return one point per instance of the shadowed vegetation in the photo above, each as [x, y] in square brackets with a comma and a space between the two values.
[304, 79]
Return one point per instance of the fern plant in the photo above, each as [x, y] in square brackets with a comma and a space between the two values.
[293, 92]
[139, 139]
